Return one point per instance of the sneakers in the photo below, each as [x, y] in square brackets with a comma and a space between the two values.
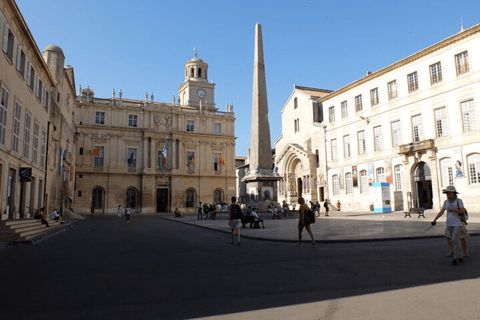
[313, 245]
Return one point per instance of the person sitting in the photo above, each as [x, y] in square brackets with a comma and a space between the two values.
[177, 213]
[273, 210]
[56, 216]
[285, 209]
[257, 219]
[40, 214]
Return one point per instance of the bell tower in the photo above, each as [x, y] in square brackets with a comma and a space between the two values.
[196, 91]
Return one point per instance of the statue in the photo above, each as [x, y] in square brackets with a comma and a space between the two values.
[80, 90]
[120, 94]
[195, 51]
[231, 107]
[146, 96]
[113, 94]
[151, 97]
[173, 100]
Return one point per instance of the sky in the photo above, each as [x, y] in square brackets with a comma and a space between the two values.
[142, 46]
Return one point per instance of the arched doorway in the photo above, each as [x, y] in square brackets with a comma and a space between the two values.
[423, 192]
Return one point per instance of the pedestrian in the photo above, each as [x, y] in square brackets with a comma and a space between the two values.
[127, 214]
[454, 206]
[304, 223]
[177, 213]
[40, 214]
[325, 205]
[316, 209]
[234, 220]
[339, 205]
[119, 211]
[56, 216]
[199, 211]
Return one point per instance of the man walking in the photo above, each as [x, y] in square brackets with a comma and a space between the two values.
[199, 211]
[326, 207]
[127, 214]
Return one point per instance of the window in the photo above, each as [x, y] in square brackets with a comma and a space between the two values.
[474, 168]
[374, 97]
[336, 185]
[132, 158]
[190, 160]
[218, 196]
[21, 59]
[436, 73]
[441, 122]
[398, 177]
[349, 182]
[346, 145]
[3, 115]
[344, 109]
[100, 117]
[469, 116]
[8, 42]
[31, 76]
[392, 89]
[190, 198]
[131, 197]
[132, 121]
[217, 162]
[446, 171]
[161, 160]
[26, 138]
[358, 103]
[412, 82]
[362, 147]
[381, 175]
[217, 128]
[44, 148]
[334, 149]
[190, 125]
[396, 133]
[39, 90]
[36, 131]
[363, 181]
[295, 103]
[80, 151]
[461, 62]
[417, 127]
[46, 99]
[331, 114]
[378, 138]
[296, 125]
[97, 198]
[16, 127]
[98, 157]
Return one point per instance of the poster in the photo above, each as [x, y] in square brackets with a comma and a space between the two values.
[354, 176]
[388, 172]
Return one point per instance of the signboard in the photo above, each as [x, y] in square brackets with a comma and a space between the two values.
[25, 174]
[381, 197]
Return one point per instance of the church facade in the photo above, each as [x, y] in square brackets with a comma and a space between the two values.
[154, 156]
[412, 126]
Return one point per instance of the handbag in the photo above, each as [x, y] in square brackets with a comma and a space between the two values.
[462, 216]
[309, 217]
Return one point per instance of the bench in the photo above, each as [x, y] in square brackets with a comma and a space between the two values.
[419, 211]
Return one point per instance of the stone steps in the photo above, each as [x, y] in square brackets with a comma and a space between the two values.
[24, 229]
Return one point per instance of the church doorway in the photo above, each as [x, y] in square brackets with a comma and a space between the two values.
[162, 200]
[423, 186]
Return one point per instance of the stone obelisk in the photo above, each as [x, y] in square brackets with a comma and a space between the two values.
[261, 181]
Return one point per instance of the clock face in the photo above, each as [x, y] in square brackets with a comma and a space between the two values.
[201, 93]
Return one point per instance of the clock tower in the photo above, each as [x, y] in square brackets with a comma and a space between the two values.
[196, 91]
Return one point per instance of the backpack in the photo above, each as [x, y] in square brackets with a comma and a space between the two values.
[236, 212]
[462, 216]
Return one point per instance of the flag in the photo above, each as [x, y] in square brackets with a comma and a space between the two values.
[222, 162]
[165, 147]
[96, 152]
[130, 159]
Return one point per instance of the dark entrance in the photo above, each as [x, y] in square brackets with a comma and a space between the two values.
[423, 186]
[299, 187]
[162, 200]
[321, 194]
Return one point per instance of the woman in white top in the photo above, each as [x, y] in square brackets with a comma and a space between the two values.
[454, 206]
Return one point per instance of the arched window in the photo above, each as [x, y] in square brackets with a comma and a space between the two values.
[336, 185]
[190, 198]
[381, 175]
[474, 168]
[192, 72]
[97, 197]
[132, 197]
[199, 72]
[218, 196]
[295, 103]
[446, 171]
[363, 181]
[349, 182]
[399, 177]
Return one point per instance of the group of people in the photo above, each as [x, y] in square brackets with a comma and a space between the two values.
[40, 214]
[206, 210]
[128, 211]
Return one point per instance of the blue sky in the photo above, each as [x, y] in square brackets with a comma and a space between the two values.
[141, 46]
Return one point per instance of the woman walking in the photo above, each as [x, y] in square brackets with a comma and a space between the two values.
[454, 207]
[234, 219]
[304, 222]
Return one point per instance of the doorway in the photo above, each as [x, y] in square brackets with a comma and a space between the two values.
[321, 194]
[423, 186]
[299, 187]
[162, 200]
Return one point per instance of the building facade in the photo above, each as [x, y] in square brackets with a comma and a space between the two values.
[153, 156]
[412, 125]
[37, 143]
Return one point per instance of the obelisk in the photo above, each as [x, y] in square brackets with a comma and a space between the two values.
[261, 181]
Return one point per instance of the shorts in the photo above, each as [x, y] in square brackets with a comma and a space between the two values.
[235, 224]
